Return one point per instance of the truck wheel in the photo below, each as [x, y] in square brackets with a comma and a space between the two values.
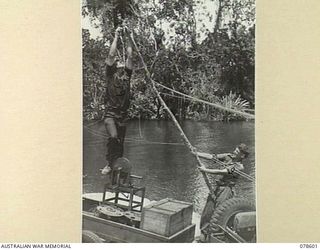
[90, 237]
[225, 212]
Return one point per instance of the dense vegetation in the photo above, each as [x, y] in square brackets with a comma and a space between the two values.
[205, 53]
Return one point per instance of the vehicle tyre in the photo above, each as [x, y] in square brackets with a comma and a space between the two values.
[225, 212]
[90, 237]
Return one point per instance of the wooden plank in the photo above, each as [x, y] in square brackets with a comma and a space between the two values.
[184, 236]
[119, 232]
[174, 205]
[116, 232]
[98, 197]
[155, 222]
[177, 223]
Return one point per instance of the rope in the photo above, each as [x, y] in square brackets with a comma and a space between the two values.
[95, 132]
[184, 137]
[218, 161]
[166, 94]
[218, 106]
[133, 140]
[103, 135]
[127, 140]
[92, 123]
[244, 175]
[250, 178]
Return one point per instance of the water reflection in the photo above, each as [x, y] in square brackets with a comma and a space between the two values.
[169, 169]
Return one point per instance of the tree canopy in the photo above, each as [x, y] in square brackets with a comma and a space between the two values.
[203, 48]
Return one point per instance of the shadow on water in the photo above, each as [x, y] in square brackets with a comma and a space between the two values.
[169, 170]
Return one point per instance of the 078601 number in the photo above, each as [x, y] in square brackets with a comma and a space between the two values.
[308, 246]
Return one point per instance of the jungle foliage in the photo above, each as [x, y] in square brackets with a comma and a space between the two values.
[188, 47]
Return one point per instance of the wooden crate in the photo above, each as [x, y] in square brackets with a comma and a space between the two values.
[166, 217]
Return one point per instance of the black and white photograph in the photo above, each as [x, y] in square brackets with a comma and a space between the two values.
[168, 112]
[159, 121]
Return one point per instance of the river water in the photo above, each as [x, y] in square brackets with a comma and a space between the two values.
[156, 151]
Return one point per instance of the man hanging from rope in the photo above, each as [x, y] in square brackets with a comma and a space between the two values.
[117, 100]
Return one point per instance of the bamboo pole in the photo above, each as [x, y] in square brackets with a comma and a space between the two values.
[182, 134]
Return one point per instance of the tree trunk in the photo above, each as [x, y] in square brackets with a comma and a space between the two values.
[218, 19]
[193, 27]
